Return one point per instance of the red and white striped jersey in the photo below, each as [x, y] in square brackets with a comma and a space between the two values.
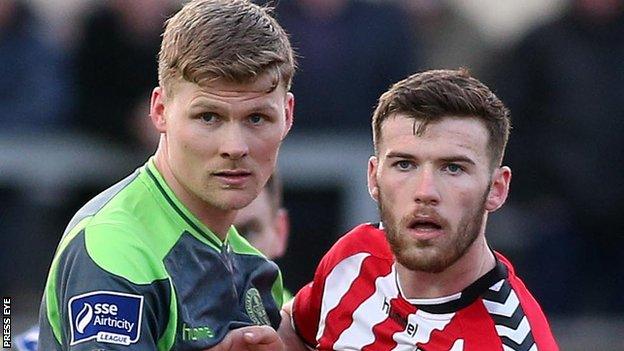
[355, 303]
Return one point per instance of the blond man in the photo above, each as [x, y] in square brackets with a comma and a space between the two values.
[153, 263]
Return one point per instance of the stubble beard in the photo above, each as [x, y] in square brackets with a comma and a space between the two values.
[226, 202]
[227, 198]
[429, 255]
[213, 195]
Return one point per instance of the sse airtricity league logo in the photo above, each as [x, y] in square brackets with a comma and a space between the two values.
[107, 316]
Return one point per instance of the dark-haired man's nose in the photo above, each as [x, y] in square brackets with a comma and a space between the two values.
[425, 187]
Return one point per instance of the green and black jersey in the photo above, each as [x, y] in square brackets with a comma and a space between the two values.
[136, 270]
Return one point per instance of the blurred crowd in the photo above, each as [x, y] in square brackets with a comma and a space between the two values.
[562, 79]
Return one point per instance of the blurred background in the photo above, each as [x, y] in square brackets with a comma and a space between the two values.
[75, 79]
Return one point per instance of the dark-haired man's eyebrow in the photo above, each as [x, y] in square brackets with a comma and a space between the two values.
[395, 154]
[457, 159]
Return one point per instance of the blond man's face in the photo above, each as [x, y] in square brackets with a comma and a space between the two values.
[222, 138]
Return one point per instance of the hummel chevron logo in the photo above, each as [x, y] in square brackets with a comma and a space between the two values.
[510, 321]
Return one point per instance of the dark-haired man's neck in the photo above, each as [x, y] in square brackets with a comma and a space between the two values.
[477, 261]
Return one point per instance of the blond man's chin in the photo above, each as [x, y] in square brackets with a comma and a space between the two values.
[231, 200]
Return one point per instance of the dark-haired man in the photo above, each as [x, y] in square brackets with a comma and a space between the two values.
[425, 277]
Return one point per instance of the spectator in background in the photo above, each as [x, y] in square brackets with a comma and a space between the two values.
[33, 82]
[565, 84]
[445, 36]
[265, 224]
[349, 52]
[115, 63]
[33, 99]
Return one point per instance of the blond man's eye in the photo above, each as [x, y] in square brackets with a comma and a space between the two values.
[209, 117]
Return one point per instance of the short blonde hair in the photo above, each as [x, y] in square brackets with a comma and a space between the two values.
[235, 40]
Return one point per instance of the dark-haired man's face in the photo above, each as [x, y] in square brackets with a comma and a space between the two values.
[434, 190]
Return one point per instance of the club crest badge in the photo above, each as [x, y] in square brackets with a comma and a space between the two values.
[255, 308]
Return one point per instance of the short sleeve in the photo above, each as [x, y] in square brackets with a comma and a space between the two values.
[87, 307]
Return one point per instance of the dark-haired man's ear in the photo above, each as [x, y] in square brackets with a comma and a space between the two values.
[373, 187]
[499, 189]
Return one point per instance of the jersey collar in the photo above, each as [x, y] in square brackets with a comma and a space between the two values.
[163, 190]
[455, 302]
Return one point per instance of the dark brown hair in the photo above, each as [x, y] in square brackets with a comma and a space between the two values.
[431, 95]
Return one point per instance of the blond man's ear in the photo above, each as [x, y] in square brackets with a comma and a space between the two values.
[157, 109]
[289, 112]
